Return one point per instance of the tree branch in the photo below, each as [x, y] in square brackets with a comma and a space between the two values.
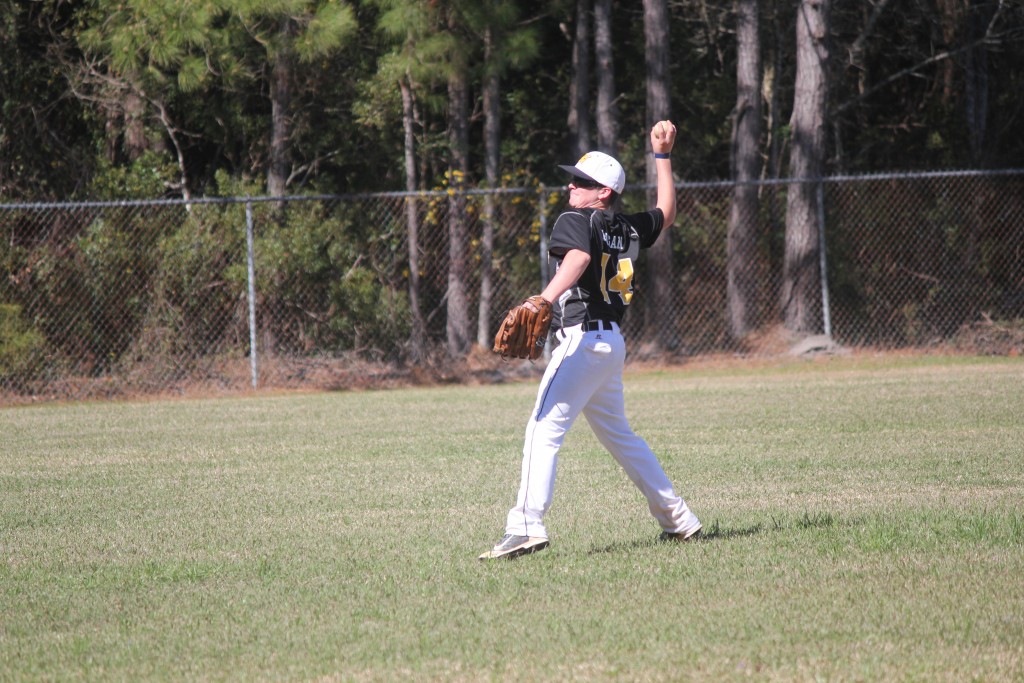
[987, 38]
[858, 45]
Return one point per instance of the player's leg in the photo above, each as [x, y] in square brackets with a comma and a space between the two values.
[575, 372]
[559, 400]
[606, 414]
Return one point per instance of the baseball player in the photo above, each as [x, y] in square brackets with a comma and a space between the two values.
[596, 251]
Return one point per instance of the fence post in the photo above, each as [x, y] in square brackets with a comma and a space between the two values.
[542, 221]
[251, 263]
[826, 315]
[545, 277]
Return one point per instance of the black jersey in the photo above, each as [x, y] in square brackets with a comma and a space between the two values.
[614, 241]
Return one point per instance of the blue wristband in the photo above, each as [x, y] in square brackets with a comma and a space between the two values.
[659, 155]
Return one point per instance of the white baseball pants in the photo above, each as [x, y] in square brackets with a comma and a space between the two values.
[585, 374]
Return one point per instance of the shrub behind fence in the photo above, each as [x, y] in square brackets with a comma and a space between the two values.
[111, 298]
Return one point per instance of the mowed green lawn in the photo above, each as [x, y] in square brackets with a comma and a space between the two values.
[864, 520]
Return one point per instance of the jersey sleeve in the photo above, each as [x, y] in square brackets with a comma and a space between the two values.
[648, 226]
[571, 231]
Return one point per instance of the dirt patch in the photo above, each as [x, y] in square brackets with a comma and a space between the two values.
[233, 377]
[989, 337]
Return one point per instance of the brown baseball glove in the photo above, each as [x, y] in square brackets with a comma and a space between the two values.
[524, 329]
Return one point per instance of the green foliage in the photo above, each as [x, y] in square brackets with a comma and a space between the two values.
[46, 138]
[703, 227]
[21, 346]
[200, 283]
[149, 41]
[87, 293]
[148, 176]
[114, 266]
[329, 25]
[143, 285]
[202, 73]
[309, 28]
[918, 254]
[317, 270]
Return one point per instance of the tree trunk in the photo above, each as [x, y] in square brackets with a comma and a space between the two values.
[282, 76]
[492, 162]
[607, 116]
[801, 277]
[742, 268]
[579, 87]
[418, 332]
[976, 78]
[658, 274]
[976, 101]
[770, 86]
[135, 143]
[950, 19]
[458, 324]
[125, 131]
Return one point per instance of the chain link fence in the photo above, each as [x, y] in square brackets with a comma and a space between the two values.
[108, 299]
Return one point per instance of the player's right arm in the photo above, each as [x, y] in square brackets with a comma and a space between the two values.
[572, 267]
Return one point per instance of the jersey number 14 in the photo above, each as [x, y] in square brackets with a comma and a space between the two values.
[620, 281]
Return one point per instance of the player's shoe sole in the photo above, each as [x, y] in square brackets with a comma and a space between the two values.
[511, 546]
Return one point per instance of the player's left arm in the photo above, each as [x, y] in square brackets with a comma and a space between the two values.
[663, 138]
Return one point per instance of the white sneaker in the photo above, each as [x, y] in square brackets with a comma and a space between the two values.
[511, 546]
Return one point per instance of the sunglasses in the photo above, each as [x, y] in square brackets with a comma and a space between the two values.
[585, 183]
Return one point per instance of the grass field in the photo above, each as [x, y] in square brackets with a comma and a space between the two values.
[863, 521]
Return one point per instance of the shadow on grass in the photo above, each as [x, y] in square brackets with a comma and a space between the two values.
[712, 532]
[715, 532]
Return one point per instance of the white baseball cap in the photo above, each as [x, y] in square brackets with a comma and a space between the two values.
[601, 168]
